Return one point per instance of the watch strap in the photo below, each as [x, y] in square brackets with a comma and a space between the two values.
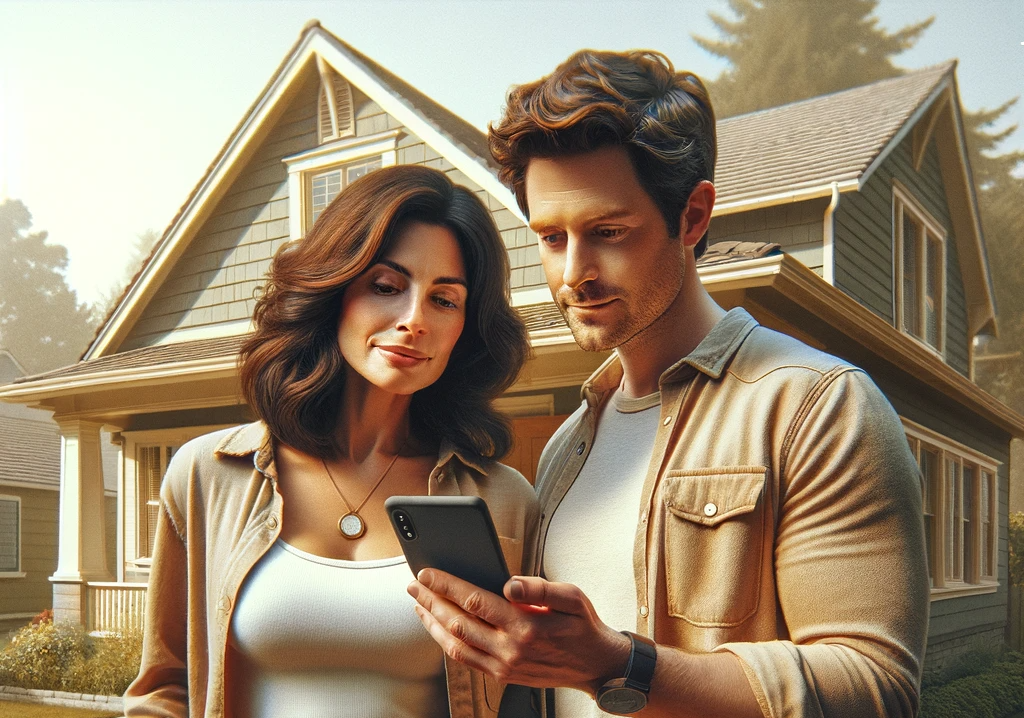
[642, 658]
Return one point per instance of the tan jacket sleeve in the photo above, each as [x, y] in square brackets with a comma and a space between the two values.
[161, 688]
[850, 564]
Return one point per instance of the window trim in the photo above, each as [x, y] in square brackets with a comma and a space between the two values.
[303, 165]
[942, 586]
[19, 573]
[901, 200]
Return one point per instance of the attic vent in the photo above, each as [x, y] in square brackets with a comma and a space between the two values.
[335, 112]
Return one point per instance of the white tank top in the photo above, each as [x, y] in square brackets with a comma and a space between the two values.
[327, 638]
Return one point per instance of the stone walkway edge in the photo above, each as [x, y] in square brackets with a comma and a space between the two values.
[62, 698]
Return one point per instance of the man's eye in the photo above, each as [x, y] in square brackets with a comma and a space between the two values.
[610, 232]
[553, 238]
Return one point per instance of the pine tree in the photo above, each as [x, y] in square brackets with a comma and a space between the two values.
[42, 322]
[782, 51]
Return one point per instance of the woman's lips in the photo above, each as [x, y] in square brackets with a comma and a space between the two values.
[399, 356]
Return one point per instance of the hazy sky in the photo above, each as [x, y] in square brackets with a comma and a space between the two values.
[110, 112]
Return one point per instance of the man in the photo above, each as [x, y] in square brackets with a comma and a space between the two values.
[745, 504]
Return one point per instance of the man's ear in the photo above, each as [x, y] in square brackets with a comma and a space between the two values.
[696, 216]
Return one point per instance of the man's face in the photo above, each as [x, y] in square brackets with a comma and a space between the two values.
[610, 264]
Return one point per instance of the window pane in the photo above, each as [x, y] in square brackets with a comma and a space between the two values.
[10, 534]
[933, 292]
[987, 527]
[325, 188]
[911, 232]
[954, 539]
[363, 168]
[930, 480]
[968, 522]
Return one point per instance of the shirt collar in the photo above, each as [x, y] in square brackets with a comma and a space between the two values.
[255, 439]
[709, 357]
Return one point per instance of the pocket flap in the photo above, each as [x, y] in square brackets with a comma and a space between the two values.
[710, 496]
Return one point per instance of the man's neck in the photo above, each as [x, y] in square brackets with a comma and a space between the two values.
[671, 337]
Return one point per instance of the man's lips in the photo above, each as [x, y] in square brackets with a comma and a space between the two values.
[588, 306]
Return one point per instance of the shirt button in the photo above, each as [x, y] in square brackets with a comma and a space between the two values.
[643, 610]
[710, 509]
[580, 448]
[643, 517]
[668, 420]
[224, 603]
[272, 522]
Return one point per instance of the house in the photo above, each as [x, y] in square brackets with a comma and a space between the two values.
[867, 192]
[29, 486]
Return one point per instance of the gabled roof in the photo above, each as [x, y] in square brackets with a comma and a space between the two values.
[459, 142]
[807, 145]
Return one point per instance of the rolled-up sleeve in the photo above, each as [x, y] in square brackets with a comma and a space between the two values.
[850, 564]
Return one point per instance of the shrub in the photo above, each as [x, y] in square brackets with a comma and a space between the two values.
[996, 693]
[62, 657]
[1015, 539]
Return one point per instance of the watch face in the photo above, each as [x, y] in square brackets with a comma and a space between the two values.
[621, 700]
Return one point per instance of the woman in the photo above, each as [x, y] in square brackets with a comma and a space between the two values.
[278, 585]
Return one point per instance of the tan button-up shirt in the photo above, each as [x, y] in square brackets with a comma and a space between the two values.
[220, 512]
[780, 520]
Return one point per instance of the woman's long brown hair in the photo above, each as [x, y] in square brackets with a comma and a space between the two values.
[292, 371]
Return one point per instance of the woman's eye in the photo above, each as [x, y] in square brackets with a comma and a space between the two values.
[385, 289]
[446, 302]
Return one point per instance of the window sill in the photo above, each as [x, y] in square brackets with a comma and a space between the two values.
[924, 345]
[972, 589]
[12, 574]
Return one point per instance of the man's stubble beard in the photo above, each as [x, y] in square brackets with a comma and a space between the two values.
[632, 329]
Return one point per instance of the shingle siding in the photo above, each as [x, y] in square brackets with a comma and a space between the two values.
[215, 279]
[864, 242]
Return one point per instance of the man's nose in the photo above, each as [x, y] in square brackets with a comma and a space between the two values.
[580, 265]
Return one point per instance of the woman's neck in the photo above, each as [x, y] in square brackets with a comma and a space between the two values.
[371, 420]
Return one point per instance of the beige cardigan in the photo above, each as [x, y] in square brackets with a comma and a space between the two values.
[220, 512]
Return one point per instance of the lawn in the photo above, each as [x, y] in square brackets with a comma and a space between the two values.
[9, 709]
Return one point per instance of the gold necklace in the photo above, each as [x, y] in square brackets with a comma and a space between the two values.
[351, 525]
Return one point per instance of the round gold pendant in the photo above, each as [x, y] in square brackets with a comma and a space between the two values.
[351, 525]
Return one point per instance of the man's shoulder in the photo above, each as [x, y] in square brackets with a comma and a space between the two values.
[765, 352]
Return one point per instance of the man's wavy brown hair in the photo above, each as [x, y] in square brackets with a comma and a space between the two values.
[292, 371]
[634, 99]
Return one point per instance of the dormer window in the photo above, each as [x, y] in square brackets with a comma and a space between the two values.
[920, 262]
[336, 118]
[325, 186]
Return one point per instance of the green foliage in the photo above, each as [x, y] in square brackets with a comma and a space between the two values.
[1016, 544]
[41, 320]
[62, 657]
[995, 693]
[782, 51]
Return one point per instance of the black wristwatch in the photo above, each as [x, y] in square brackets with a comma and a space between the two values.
[623, 696]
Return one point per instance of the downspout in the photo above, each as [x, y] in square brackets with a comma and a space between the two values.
[828, 257]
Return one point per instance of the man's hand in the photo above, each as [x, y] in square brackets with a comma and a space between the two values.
[546, 635]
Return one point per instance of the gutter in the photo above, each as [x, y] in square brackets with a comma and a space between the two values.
[828, 257]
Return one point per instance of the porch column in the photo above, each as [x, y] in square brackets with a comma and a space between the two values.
[81, 545]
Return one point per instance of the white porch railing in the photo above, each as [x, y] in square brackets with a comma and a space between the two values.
[114, 607]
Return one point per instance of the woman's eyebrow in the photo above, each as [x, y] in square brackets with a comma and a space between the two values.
[405, 272]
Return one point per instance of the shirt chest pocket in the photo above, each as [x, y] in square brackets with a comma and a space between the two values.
[714, 543]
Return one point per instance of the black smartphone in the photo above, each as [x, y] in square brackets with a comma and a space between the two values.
[452, 533]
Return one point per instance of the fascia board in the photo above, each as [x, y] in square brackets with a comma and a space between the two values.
[176, 372]
[193, 214]
[788, 196]
[338, 58]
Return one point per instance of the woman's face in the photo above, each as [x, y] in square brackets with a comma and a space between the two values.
[400, 318]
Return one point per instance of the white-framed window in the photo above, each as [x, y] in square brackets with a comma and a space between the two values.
[959, 488]
[315, 177]
[919, 260]
[10, 537]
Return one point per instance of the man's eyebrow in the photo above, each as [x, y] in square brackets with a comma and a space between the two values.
[613, 214]
[405, 272]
